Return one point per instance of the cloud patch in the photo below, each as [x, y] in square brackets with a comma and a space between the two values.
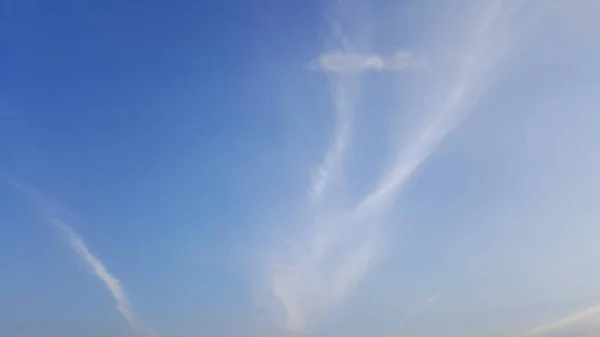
[342, 62]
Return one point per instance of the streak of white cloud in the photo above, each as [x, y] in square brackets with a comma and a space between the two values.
[113, 285]
[343, 93]
[343, 104]
[322, 274]
[567, 322]
[51, 208]
[478, 62]
[343, 66]
[345, 62]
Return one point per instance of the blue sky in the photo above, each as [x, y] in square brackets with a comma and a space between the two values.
[299, 168]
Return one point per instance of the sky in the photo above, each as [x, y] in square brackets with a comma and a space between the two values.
[300, 168]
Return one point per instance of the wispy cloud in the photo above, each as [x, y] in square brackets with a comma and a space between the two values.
[348, 62]
[343, 92]
[320, 275]
[479, 59]
[113, 284]
[51, 208]
[568, 322]
[343, 104]
[341, 66]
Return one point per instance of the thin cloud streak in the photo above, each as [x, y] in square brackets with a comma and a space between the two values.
[343, 67]
[564, 323]
[343, 104]
[343, 91]
[447, 117]
[294, 297]
[49, 207]
[321, 276]
[113, 284]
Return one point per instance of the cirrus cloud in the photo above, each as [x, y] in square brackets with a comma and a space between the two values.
[345, 62]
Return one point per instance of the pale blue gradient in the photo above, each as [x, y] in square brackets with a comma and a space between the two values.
[275, 168]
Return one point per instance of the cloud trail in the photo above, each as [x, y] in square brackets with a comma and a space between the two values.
[565, 322]
[342, 66]
[321, 274]
[123, 305]
[478, 61]
[113, 284]
[343, 91]
[343, 105]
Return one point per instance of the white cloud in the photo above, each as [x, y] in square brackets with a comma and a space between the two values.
[123, 304]
[569, 322]
[321, 274]
[50, 208]
[479, 60]
[348, 62]
[344, 92]
[343, 103]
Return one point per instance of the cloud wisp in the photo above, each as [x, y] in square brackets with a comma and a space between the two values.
[50, 208]
[348, 62]
[479, 60]
[343, 92]
[321, 274]
[343, 104]
[569, 322]
[113, 284]
[343, 68]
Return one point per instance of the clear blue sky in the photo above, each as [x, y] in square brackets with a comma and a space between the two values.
[330, 168]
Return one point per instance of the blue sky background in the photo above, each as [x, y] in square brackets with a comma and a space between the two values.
[268, 168]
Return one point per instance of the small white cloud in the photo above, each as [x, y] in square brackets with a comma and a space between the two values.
[341, 62]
